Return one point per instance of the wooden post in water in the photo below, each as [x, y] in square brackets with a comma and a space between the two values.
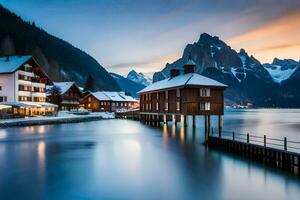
[265, 141]
[220, 122]
[208, 124]
[165, 118]
[186, 120]
[285, 144]
[182, 120]
[233, 136]
[194, 120]
[205, 128]
[248, 138]
[174, 119]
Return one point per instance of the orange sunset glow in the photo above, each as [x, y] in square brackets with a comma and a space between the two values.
[279, 38]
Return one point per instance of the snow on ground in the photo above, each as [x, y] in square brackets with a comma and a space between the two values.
[278, 74]
[62, 116]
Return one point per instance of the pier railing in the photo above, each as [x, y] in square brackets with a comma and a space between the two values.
[282, 144]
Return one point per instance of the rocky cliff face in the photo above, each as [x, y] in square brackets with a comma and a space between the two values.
[139, 78]
[249, 81]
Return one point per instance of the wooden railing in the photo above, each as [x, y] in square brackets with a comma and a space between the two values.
[282, 144]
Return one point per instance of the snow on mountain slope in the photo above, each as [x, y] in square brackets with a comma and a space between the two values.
[279, 73]
[139, 78]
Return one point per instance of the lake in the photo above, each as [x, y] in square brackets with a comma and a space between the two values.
[122, 159]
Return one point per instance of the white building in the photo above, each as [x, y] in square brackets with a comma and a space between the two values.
[23, 86]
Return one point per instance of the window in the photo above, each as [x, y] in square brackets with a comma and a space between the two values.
[178, 106]
[146, 107]
[150, 106]
[205, 92]
[166, 95]
[156, 105]
[157, 95]
[166, 106]
[177, 92]
[113, 104]
[89, 105]
[0, 87]
[23, 98]
[90, 99]
[3, 99]
[205, 106]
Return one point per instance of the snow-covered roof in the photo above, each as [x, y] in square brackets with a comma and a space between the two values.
[13, 63]
[100, 96]
[64, 86]
[190, 79]
[112, 96]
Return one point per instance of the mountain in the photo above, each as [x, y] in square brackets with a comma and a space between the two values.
[129, 86]
[281, 70]
[139, 78]
[249, 81]
[59, 59]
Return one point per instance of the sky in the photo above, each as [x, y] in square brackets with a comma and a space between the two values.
[144, 35]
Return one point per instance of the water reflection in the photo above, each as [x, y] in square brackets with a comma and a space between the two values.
[123, 159]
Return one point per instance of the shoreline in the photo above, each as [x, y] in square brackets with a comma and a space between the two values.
[66, 118]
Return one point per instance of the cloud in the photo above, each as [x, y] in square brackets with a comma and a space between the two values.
[272, 38]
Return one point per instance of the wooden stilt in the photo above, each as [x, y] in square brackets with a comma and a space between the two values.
[182, 120]
[165, 119]
[208, 125]
[194, 120]
[205, 128]
[186, 120]
[220, 120]
[173, 119]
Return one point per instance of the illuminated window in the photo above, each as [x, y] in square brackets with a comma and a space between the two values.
[178, 106]
[156, 105]
[90, 99]
[205, 92]
[166, 106]
[166, 94]
[157, 95]
[205, 106]
[89, 105]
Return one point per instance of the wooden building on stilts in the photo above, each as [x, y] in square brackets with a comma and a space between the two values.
[184, 94]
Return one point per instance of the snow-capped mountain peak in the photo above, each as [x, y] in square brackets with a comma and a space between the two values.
[139, 78]
[281, 70]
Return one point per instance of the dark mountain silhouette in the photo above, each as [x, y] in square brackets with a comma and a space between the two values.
[249, 81]
[60, 60]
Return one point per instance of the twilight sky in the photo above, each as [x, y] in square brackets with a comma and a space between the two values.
[145, 35]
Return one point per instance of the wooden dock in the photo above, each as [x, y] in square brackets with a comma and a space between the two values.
[131, 114]
[260, 149]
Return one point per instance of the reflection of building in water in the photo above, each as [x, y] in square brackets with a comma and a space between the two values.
[165, 136]
[183, 94]
[182, 135]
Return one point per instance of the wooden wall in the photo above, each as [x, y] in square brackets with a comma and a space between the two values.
[189, 100]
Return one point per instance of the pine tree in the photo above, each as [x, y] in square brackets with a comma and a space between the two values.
[89, 84]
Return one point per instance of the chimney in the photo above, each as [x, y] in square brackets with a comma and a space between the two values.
[189, 67]
[174, 72]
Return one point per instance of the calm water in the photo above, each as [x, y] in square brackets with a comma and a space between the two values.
[120, 159]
